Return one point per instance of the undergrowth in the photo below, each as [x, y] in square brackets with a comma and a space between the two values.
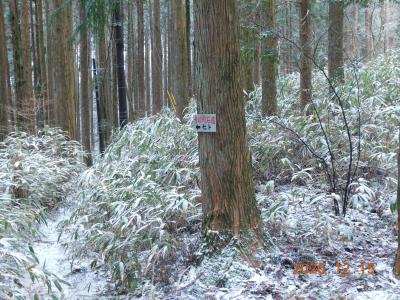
[138, 207]
[34, 171]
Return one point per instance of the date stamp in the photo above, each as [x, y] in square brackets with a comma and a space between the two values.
[339, 268]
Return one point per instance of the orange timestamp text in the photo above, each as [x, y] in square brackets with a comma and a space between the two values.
[320, 268]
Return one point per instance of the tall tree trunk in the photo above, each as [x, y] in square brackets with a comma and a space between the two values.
[269, 59]
[247, 60]
[113, 108]
[179, 75]
[100, 109]
[141, 109]
[305, 61]
[188, 46]
[225, 162]
[290, 37]
[335, 41]
[51, 115]
[396, 268]
[369, 45]
[354, 45]
[17, 58]
[28, 112]
[383, 16]
[257, 53]
[166, 59]
[170, 41]
[42, 71]
[119, 45]
[33, 51]
[86, 99]
[156, 59]
[64, 90]
[5, 88]
[103, 81]
[147, 63]
[131, 62]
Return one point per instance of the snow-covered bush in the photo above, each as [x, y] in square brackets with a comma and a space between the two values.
[370, 102]
[34, 171]
[138, 212]
[138, 200]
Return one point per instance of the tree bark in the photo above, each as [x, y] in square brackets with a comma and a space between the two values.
[100, 110]
[305, 61]
[188, 46]
[119, 45]
[63, 53]
[27, 111]
[369, 45]
[42, 71]
[17, 58]
[86, 99]
[147, 44]
[5, 88]
[103, 81]
[354, 44]
[131, 63]
[156, 59]
[51, 115]
[269, 59]
[166, 59]
[141, 109]
[179, 80]
[335, 41]
[225, 162]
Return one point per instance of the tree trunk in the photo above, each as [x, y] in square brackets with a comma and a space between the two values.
[131, 62]
[353, 44]
[369, 45]
[86, 99]
[100, 110]
[188, 46]
[64, 96]
[147, 44]
[247, 59]
[33, 51]
[28, 109]
[335, 41]
[42, 71]
[156, 59]
[17, 58]
[257, 53]
[396, 268]
[269, 59]
[103, 81]
[141, 109]
[225, 162]
[179, 74]
[383, 16]
[305, 61]
[5, 89]
[166, 59]
[51, 115]
[290, 36]
[119, 45]
[113, 105]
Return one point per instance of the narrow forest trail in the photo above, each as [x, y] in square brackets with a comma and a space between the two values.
[51, 253]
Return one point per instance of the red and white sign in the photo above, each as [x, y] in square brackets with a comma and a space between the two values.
[205, 122]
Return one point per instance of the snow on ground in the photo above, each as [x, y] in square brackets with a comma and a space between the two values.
[307, 232]
[83, 283]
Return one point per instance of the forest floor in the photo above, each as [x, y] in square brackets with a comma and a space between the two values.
[308, 235]
[50, 249]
